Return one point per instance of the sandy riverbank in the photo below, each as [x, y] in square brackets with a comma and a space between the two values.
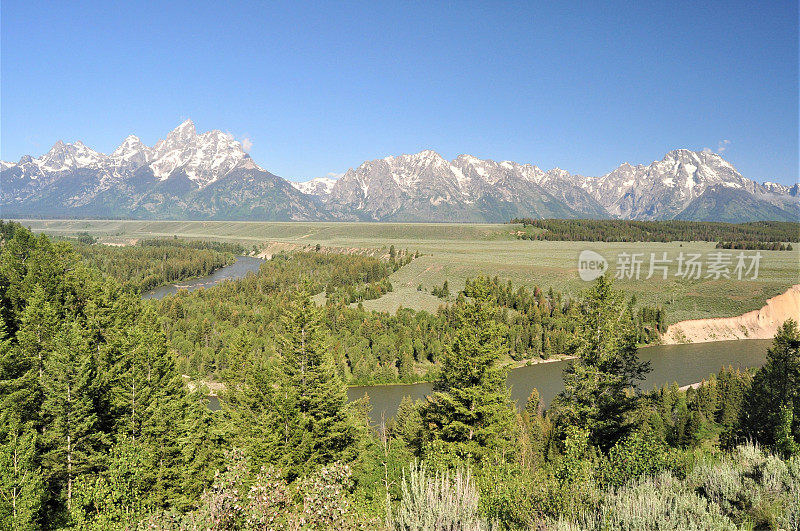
[758, 324]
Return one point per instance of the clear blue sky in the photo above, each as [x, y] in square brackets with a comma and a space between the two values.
[319, 88]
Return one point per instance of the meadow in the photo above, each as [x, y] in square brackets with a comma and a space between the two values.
[456, 252]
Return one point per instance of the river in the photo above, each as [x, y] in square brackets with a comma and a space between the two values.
[238, 269]
[684, 364]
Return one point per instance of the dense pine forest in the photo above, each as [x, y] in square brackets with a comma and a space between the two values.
[761, 246]
[216, 334]
[620, 230]
[152, 263]
[98, 429]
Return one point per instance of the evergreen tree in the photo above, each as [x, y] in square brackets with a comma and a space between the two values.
[150, 402]
[596, 397]
[22, 492]
[313, 421]
[773, 406]
[73, 443]
[470, 414]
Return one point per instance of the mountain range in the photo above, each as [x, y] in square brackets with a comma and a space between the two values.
[210, 176]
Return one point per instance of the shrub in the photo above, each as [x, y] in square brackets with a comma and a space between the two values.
[438, 502]
[660, 503]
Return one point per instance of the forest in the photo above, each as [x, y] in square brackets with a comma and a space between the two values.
[216, 334]
[620, 230]
[761, 246]
[149, 263]
[98, 429]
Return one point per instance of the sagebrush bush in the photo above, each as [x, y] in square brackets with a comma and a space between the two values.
[442, 501]
[659, 502]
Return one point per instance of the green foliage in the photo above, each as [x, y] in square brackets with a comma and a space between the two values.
[82, 368]
[156, 262]
[239, 499]
[762, 246]
[619, 230]
[543, 323]
[314, 421]
[443, 292]
[98, 430]
[22, 489]
[470, 414]
[772, 414]
[640, 454]
[232, 330]
[597, 394]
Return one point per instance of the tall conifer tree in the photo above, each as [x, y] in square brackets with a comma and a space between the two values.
[596, 395]
[470, 414]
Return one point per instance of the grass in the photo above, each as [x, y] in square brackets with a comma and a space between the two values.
[455, 252]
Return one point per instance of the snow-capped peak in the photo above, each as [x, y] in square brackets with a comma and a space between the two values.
[64, 156]
[320, 186]
[184, 131]
[131, 152]
[203, 158]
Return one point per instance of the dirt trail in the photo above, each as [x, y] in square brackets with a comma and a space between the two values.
[758, 324]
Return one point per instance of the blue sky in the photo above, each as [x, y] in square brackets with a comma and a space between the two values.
[321, 87]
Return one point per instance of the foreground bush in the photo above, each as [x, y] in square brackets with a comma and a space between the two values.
[745, 489]
[438, 502]
[267, 502]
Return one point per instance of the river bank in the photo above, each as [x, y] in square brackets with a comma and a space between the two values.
[758, 324]
[238, 269]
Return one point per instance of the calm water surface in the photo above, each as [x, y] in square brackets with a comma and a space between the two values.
[684, 364]
[240, 268]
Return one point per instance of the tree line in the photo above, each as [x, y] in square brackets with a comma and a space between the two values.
[151, 263]
[620, 230]
[215, 333]
[92, 412]
[760, 246]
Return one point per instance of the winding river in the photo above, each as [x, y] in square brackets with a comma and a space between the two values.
[238, 269]
[684, 364]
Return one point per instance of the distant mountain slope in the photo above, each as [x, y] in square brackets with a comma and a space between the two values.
[665, 188]
[209, 176]
[426, 187]
[733, 205]
[321, 186]
[185, 176]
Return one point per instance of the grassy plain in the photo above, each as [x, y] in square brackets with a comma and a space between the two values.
[455, 252]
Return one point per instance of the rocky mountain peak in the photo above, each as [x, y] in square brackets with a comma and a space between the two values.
[183, 133]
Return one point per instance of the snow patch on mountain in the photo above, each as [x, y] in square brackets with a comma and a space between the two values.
[320, 186]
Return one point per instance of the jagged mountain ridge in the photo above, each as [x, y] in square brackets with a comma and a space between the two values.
[401, 188]
[184, 176]
[416, 187]
[209, 176]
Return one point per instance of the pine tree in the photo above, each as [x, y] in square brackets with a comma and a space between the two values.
[312, 424]
[470, 414]
[596, 396]
[22, 493]
[774, 399]
[149, 403]
[72, 442]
